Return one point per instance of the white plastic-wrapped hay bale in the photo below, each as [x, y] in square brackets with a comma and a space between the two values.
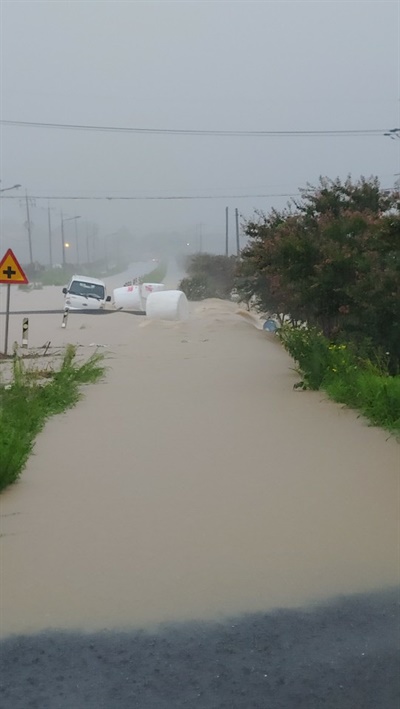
[148, 288]
[133, 297]
[167, 305]
[128, 297]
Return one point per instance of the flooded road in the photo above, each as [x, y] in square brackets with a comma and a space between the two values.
[194, 483]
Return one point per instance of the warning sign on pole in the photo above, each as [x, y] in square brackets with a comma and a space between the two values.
[10, 270]
[10, 273]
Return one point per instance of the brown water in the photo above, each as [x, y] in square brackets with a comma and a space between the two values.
[194, 482]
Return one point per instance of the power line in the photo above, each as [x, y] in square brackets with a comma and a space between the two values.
[159, 197]
[181, 131]
[148, 197]
[163, 197]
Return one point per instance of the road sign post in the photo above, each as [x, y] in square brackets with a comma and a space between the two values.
[65, 318]
[7, 319]
[11, 273]
[25, 332]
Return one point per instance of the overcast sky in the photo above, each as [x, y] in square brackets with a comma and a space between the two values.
[193, 65]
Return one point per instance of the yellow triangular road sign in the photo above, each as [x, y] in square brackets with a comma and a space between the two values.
[10, 270]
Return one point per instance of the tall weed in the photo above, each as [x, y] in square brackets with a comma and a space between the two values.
[28, 401]
[348, 379]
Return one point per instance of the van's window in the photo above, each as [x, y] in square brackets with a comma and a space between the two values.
[93, 290]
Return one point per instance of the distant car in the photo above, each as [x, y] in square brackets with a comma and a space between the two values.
[85, 293]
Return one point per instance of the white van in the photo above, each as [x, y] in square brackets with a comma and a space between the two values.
[85, 293]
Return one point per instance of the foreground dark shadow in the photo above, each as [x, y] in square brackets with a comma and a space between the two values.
[338, 656]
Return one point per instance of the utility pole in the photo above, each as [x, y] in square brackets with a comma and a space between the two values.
[50, 244]
[237, 232]
[87, 242]
[28, 226]
[226, 232]
[77, 240]
[62, 241]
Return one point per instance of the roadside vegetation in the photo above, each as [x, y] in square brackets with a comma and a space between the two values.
[346, 377]
[32, 395]
[209, 276]
[329, 264]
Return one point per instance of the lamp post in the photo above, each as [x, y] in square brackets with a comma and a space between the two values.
[65, 219]
[50, 238]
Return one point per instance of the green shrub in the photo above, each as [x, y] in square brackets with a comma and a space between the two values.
[196, 287]
[310, 350]
[28, 401]
[209, 276]
[360, 384]
[318, 359]
[332, 259]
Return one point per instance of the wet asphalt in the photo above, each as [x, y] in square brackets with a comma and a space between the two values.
[341, 655]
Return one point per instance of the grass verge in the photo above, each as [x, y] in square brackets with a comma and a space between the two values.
[345, 377]
[376, 396]
[31, 398]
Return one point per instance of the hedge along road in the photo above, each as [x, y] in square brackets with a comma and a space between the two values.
[194, 483]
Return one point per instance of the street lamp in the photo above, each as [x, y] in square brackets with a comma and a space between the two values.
[65, 219]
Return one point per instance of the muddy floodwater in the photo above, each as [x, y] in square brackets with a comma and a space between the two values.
[194, 482]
